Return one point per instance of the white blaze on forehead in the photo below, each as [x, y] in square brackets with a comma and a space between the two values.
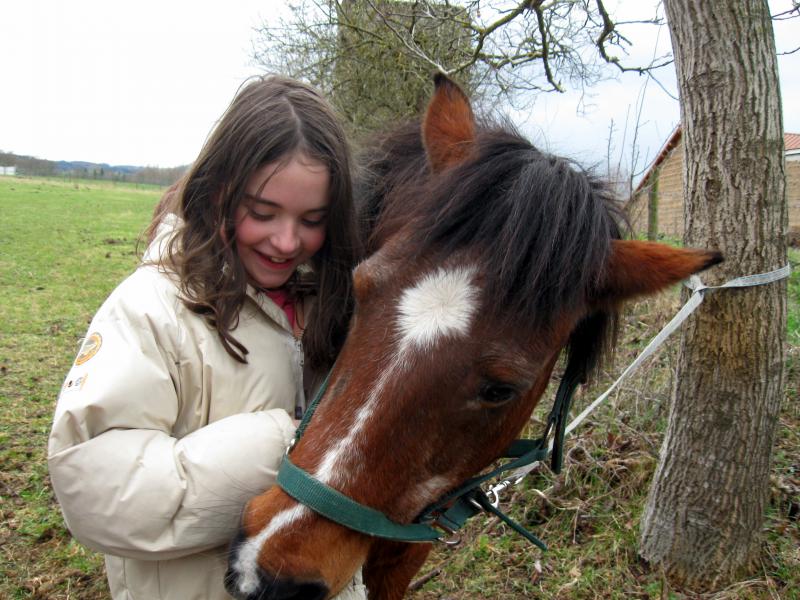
[441, 304]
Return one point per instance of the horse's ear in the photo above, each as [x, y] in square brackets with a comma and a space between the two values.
[637, 268]
[448, 130]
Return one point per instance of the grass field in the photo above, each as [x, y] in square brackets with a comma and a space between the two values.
[65, 245]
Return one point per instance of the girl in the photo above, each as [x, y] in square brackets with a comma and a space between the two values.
[177, 408]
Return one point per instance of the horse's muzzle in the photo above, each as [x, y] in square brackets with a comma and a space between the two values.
[273, 587]
[262, 585]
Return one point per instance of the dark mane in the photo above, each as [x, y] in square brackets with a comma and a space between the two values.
[542, 225]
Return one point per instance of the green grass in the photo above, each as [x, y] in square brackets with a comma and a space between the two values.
[793, 316]
[66, 245]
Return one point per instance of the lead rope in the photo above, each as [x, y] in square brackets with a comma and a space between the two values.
[699, 290]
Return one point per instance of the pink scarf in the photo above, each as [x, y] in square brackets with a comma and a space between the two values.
[282, 299]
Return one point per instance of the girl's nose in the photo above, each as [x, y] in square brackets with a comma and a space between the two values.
[285, 239]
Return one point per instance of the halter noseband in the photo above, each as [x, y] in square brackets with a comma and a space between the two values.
[450, 512]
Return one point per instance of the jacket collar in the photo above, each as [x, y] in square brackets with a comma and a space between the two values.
[269, 308]
[164, 232]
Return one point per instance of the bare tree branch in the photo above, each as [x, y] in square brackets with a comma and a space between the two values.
[497, 48]
[792, 13]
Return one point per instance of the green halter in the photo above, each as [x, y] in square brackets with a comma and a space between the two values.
[451, 511]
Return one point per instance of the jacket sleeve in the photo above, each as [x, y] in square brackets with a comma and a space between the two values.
[125, 485]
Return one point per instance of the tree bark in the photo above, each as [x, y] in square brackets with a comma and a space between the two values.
[703, 516]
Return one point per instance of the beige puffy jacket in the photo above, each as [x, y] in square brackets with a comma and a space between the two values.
[160, 437]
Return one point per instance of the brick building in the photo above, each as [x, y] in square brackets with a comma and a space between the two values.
[665, 179]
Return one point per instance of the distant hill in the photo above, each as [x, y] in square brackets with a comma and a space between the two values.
[30, 165]
[79, 165]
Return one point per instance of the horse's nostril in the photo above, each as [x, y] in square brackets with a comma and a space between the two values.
[231, 583]
[275, 588]
[291, 589]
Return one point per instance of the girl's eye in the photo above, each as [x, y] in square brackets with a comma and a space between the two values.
[495, 393]
[318, 222]
[259, 216]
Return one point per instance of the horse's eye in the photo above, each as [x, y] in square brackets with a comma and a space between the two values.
[495, 394]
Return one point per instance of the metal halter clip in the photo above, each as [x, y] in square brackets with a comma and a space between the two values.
[454, 540]
[495, 491]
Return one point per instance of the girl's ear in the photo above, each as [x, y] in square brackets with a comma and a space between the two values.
[448, 130]
[637, 268]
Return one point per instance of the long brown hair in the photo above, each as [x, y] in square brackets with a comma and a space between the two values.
[271, 119]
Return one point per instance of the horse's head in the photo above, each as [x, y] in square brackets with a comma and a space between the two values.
[492, 257]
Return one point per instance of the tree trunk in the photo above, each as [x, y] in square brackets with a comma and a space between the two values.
[652, 208]
[704, 513]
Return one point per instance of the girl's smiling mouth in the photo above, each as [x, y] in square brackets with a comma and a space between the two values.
[274, 262]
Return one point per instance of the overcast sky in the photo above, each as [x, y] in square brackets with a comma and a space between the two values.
[142, 83]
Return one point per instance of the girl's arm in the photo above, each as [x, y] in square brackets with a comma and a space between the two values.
[126, 486]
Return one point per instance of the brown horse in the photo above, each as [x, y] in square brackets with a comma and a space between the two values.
[489, 258]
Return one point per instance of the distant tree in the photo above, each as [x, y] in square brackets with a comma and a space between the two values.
[28, 165]
[362, 53]
[500, 49]
[652, 209]
[157, 175]
[377, 83]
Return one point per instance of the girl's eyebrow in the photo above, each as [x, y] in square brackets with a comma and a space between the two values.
[272, 204]
[261, 200]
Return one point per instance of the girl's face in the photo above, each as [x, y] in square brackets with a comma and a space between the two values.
[281, 223]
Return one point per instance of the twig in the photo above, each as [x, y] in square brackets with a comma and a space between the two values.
[664, 584]
[418, 583]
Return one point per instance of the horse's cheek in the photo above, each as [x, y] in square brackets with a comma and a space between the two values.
[391, 566]
[341, 553]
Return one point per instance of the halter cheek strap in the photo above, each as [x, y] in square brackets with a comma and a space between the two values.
[450, 512]
[337, 507]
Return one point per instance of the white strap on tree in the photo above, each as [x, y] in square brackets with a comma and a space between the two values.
[699, 290]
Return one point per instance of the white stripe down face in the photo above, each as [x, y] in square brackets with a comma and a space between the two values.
[442, 304]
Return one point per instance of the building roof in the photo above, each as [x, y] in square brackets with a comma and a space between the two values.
[791, 142]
